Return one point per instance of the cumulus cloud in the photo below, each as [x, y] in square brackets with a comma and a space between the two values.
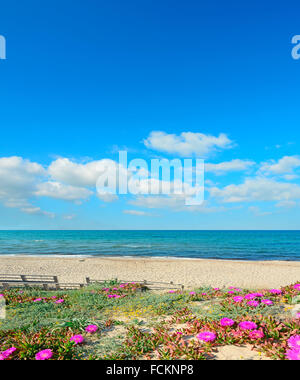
[136, 212]
[229, 166]
[58, 190]
[74, 174]
[257, 189]
[285, 166]
[37, 211]
[187, 143]
[18, 180]
[173, 202]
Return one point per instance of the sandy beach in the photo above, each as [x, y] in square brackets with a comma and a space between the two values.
[191, 273]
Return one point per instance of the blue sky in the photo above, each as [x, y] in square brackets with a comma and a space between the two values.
[84, 79]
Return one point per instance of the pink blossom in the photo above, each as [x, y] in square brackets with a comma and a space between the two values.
[37, 300]
[294, 342]
[238, 299]
[192, 293]
[77, 339]
[231, 292]
[298, 315]
[216, 289]
[275, 291]
[1, 295]
[258, 294]
[5, 354]
[256, 334]
[91, 328]
[60, 301]
[227, 322]
[44, 355]
[10, 350]
[247, 325]
[204, 294]
[207, 336]
[171, 291]
[297, 286]
[253, 303]
[250, 296]
[267, 302]
[293, 354]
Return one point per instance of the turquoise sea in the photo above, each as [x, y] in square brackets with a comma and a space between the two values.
[238, 245]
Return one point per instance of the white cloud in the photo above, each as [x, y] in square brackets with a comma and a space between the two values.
[69, 217]
[74, 174]
[18, 180]
[285, 166]
[257, 189]
[257, 211]
[229, 166]
[37, 211]
[187, 143]
[136, 212]
[173, 203]
[60, 191]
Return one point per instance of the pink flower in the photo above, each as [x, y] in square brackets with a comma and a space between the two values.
[44, 355]
[10, 350]
[275, 291]
[5, 354]
[267, 302]
[91, 329]
[231, 292]
[204, 294]
[37, 300]
[298, 315]
[1, 295]
[192, 293]
[297, 286]
[60, 301]
[179, 332]
[256, 334]
[294, 342]
[253, 303]
[250, 296]
[258, 294]
[216, 289]
[53, 297]
[171, 291]
[207, 336]
[247, 325]
[227, 322]
[77, 339]
[238, 299]
[293, 354]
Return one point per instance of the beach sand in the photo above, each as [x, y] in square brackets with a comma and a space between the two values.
[191, 273]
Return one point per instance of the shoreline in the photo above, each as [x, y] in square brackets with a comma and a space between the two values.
[192, 273]
[128, 257]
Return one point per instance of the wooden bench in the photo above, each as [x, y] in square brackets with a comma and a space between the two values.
[152, 285]
[13, 280]
[47, 282]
